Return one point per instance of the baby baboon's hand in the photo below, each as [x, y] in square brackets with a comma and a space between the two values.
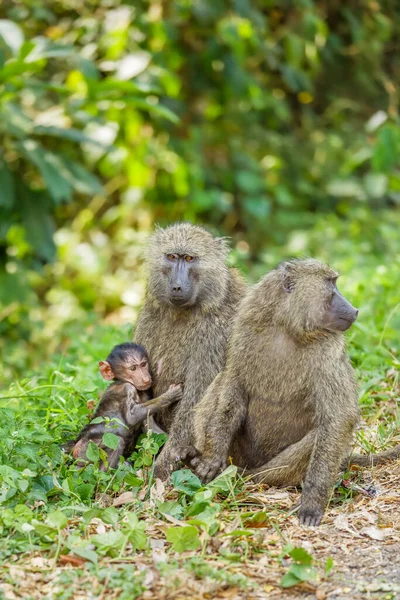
[207, 469]
[310, 517]
[175, 391]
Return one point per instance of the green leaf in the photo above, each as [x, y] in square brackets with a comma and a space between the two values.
[387, 148]
[72, 134]
[303, 572]
[301, 555]
[87, 554]
[171, 508]
[185, 481]
[136, 531]
[57, 519]
[289, 580]
[92, 452]
[225, 481]
[11, 34]
[183, 538]
[7, 188]
[200, 501]
[328, 565]
[257, 519]
[111, 440]
[39, 227]
[51, 167]
[109, 543]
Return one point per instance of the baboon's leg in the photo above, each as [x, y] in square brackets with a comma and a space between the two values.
[289, 467]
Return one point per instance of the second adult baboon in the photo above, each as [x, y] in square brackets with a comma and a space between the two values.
[285, 406]
[191, 299]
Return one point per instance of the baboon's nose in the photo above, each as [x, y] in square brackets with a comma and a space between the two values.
[177, 288]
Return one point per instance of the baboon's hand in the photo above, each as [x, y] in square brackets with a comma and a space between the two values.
[185, 455]
[310, 517]
[175, 391]
[207, 469]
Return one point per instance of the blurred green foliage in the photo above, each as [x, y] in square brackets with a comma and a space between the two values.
[273, 122]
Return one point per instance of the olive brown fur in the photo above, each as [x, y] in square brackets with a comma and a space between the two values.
[285, 407]
[191, 299]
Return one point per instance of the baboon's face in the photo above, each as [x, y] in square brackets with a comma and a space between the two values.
[339, 314]
[134, 368]
[181, 278]
[313, 301]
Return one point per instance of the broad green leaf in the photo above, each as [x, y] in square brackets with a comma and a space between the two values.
[289, 580]
[11, 34]
[87, 553]
[171, 508]
[57, 519]
[183, 538]
[52, 168]
[185, 481]
[304, 572]
[111, 440]
[38, 223]
[225, 481]
[109, 543]
[92, 452]
[200, 501]
[7, 188]
[136, 531]
[301, 555]
[387, 148]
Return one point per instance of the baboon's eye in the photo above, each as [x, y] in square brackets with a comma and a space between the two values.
[133, 368]
[188, 258]
[172, 256]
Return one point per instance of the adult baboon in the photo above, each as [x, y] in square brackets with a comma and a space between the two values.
[285, 406]
[191, 299]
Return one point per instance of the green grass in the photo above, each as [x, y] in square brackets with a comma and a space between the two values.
[53, 512]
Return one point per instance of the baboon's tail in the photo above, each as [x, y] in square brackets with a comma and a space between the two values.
[371, 460]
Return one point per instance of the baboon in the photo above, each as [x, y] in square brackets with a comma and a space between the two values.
[285, 406]
[190, 302]
[125, 404]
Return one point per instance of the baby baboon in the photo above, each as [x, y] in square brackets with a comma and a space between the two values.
[125, 404]
[190, 303]
[285, 406]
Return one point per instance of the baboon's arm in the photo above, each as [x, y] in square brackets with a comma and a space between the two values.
[218, 417]
[337, 412]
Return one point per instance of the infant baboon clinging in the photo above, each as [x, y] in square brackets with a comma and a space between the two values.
[125, 404]
[285, 406]
[191, 299]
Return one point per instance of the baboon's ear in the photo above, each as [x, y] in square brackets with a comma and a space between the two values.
[223, 243]
[287, 278]
[106, 370]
